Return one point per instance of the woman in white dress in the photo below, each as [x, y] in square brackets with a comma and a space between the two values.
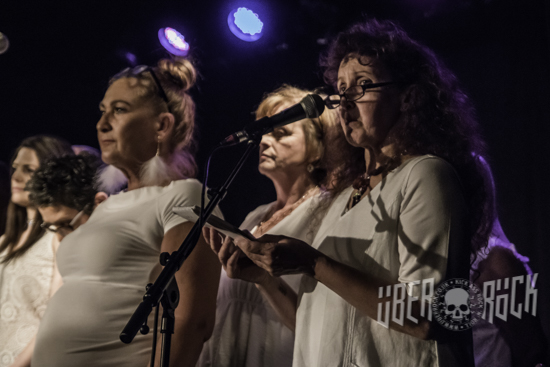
[248, 332]
[414, 215]
[27, 256]
[146, 131]
[518, 342]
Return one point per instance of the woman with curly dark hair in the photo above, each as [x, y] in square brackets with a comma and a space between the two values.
[410, 207]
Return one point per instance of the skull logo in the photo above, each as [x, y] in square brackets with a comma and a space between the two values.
[457, 302]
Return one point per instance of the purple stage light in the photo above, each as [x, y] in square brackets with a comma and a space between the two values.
[173, 41]
[245, 24]
[131, 58]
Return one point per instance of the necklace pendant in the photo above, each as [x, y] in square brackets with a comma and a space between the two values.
[356, 198]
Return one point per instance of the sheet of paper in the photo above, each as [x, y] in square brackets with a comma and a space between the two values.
[191, 213]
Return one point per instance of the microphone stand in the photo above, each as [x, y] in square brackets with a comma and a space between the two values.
[165, 289]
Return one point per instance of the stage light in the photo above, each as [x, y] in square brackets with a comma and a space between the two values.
[173, 41]
[245, 24]
[131, 58]
[4, 43]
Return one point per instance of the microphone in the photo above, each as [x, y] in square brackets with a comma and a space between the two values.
[311, 106]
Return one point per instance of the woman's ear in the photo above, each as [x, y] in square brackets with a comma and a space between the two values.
[165, 125]
[407, 97]
[99, 198]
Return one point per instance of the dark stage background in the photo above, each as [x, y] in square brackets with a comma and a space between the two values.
[63, 53]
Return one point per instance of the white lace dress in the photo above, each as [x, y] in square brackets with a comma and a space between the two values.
[24, 292]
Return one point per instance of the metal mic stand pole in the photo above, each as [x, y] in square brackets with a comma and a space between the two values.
[160, 289]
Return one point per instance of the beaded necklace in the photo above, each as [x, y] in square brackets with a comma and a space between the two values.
[273, 218]
[362, 183]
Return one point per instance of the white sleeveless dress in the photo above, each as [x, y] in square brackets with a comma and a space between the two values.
[248, 332]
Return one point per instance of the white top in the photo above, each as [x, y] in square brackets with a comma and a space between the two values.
[105, 265]
[490, 347]
[248, 332]
[25, 285]
[400, 232]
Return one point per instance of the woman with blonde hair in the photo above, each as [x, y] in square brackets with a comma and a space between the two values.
[146, 131]
[248, 331]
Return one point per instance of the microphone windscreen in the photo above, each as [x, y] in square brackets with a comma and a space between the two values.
[313, 105]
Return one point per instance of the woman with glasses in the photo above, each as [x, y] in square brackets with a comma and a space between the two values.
[412, 207]
[64, 190]
[248, 332]
[146, 131]
[27, 252]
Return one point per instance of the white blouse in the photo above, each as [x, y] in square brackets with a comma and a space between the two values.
[400, 232]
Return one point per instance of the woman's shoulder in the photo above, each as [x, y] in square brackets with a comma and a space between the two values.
[428, 168]
[176, 190]
[181, 193]
[427, 162]
[189, 185]
[254, 217]
[262, 209]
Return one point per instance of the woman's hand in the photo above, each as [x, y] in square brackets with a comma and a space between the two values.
[280, 255]
[233, 260]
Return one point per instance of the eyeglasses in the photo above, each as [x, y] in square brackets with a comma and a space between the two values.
[55, 228]
[136, 72]
[352, 93]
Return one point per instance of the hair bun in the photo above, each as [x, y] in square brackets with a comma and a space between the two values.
[178, 71]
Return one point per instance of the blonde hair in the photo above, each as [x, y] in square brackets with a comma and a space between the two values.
[176, 76]
[315, 130]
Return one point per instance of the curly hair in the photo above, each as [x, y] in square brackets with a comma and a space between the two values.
[68, 181]
[438, 118]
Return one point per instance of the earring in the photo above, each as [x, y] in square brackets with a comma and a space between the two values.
[310, 168]
[155, 172]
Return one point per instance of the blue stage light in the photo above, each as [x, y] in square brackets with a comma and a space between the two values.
[173, 41]
[245, 24]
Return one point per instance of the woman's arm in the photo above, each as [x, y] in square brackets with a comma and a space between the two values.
[24, 358]
[57, 281]
[197, 280]
[358, 288]
[282, 299]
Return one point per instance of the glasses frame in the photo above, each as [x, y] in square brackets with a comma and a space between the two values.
[365, 87]
[136, 71]
[71, 224]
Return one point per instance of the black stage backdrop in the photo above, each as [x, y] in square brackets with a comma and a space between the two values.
[63, 53]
